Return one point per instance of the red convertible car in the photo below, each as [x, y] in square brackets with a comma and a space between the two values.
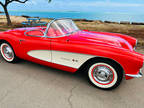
[106, 57]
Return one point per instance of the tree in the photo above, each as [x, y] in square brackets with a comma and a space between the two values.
[5, 5]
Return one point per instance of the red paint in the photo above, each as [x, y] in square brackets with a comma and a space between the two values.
[117, 47]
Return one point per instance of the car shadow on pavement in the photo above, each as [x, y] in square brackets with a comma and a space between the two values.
[33, 69]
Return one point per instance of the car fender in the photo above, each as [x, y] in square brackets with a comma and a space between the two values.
[12, 40]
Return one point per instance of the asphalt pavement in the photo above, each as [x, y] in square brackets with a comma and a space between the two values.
[29, 85]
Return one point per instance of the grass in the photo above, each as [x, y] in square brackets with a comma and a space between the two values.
[140, 42]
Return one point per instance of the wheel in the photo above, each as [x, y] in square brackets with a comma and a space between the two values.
[7, 53]
[105, 75]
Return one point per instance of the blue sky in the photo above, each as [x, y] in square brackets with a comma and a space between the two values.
[80, 5]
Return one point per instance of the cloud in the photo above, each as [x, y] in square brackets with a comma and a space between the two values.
[80, 5]
[31, 2]
[106, 3]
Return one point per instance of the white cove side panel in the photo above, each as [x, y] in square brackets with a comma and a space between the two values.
[41, 54]
[74, 60]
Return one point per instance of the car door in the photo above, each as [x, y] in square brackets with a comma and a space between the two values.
[59, 43]
[62, 52]
[32, 47]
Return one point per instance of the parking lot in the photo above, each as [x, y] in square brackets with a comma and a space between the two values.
[29, 85]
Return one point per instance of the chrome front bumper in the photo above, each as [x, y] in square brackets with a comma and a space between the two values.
[139, 75]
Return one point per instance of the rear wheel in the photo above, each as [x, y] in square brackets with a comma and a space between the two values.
[7, 53]
[105, 75]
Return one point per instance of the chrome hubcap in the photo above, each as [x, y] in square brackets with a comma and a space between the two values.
[103, 74]
[8, 52]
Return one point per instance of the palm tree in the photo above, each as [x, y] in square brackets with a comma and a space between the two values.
[6, 3]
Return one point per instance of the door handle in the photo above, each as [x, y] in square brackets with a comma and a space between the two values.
[67, 40]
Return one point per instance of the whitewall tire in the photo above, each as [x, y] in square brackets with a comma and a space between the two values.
[7, 52]
[104, 75]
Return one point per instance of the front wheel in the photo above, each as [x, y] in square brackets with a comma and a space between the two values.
[105, 75]
[7, 53]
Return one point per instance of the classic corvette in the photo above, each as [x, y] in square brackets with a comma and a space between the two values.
[106, 57]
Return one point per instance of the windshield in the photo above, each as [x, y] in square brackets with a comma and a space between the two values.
[61, 28]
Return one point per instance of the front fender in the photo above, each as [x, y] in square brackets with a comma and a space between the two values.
[130, 61]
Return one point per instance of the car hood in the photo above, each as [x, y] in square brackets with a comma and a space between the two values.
[99, 38]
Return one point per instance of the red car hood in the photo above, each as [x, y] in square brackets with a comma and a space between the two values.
[99, 38]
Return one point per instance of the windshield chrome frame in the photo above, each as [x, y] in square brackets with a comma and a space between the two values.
[49, 24]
